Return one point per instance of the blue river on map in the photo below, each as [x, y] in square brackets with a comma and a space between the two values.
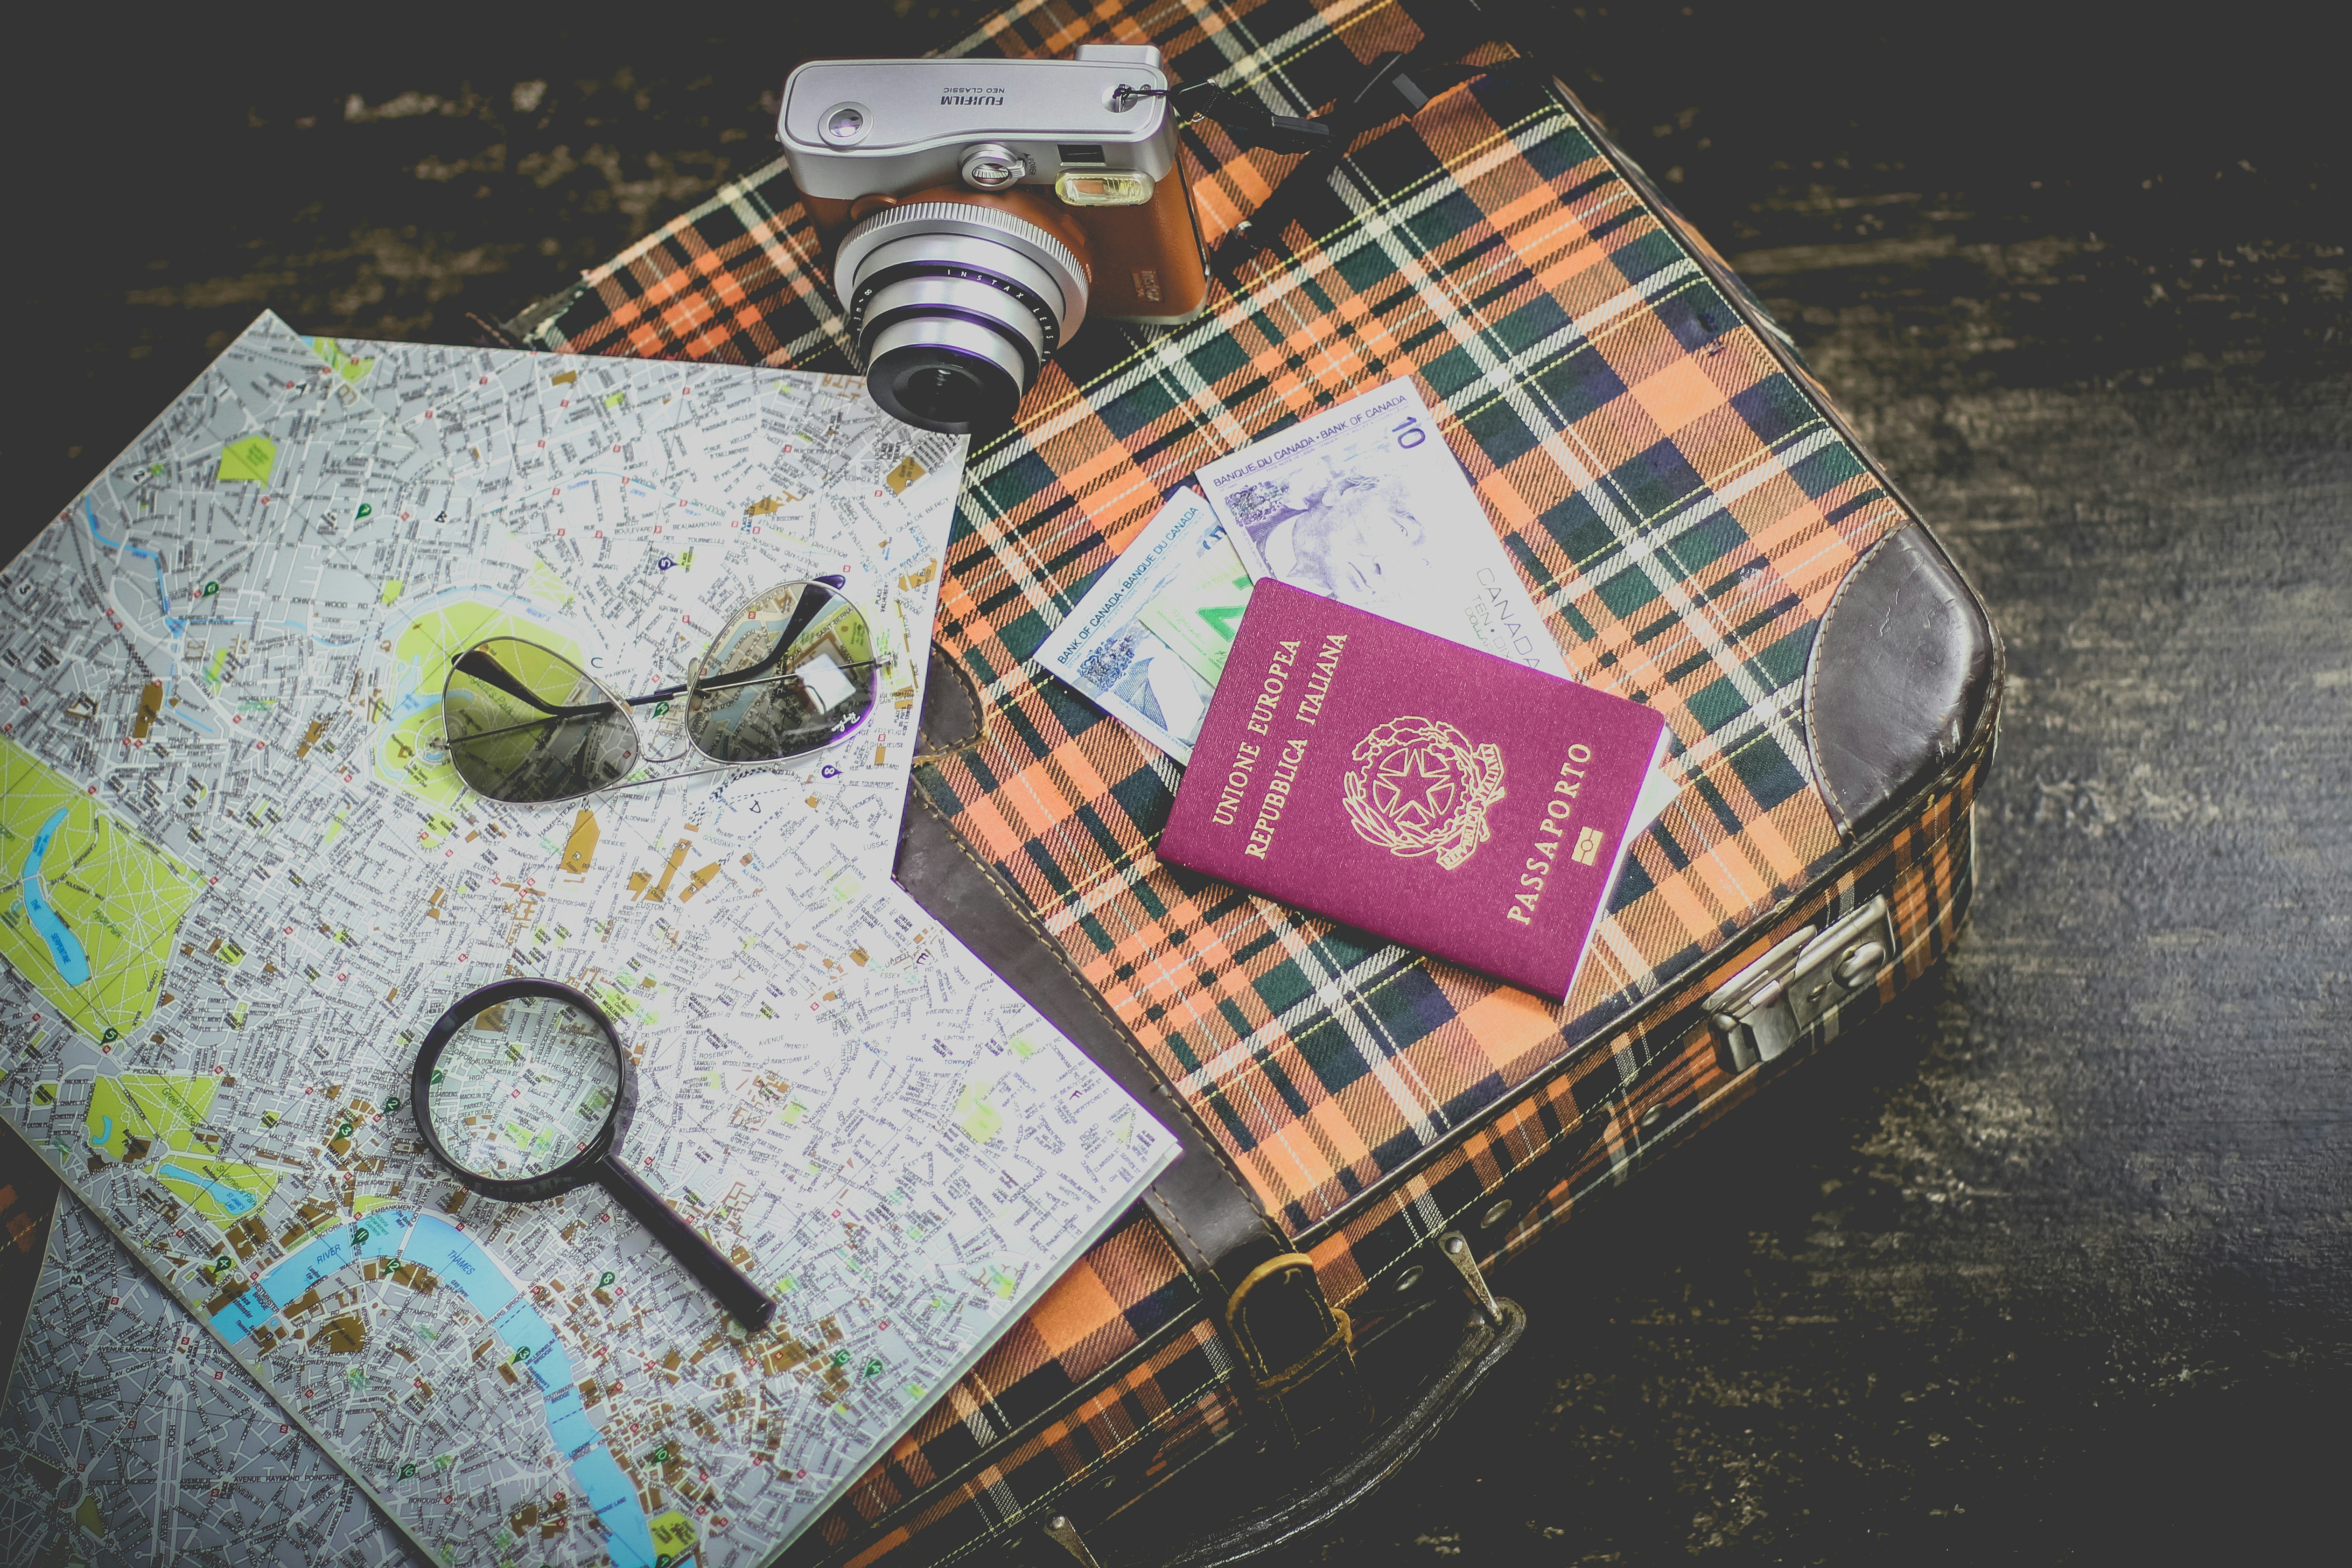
[459, 1262]
[89, 510]
[232, 1200]
[65, 948]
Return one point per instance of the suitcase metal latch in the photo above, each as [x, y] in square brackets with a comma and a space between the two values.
[1764, 1009]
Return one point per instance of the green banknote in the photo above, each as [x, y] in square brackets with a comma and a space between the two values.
[1147, 642]
[1199, 608]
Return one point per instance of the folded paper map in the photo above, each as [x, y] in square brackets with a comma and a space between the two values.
[238, 881]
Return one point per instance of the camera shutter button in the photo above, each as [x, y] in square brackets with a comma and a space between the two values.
[992, 166]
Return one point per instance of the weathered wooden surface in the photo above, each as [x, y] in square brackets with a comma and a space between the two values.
[2055, 1263]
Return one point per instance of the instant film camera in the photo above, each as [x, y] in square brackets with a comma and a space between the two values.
[977, 212]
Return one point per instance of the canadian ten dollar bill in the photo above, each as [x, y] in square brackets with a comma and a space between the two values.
[1365, 503]
[1147, 642]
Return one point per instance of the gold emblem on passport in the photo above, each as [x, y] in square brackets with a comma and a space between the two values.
[1421, 788]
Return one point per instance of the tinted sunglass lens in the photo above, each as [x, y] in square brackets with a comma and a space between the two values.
[527, 724]
[791, 672]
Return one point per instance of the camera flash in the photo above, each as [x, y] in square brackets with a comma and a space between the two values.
[1109, 188]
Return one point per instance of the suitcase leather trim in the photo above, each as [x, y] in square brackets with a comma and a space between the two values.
[1901, 666]
[1292, 1342]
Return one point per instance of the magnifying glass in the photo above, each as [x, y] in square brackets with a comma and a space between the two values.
[523, 1091]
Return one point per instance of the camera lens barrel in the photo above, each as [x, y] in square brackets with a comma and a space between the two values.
[955, 308]
[1037, 291]
[934, 297]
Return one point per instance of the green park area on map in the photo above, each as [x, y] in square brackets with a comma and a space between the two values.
[157, 1118]
[331, 350]
[248, 461]
[118, 899]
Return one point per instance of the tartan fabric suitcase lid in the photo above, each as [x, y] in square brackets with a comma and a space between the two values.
[1681, 508]
[1682, 505]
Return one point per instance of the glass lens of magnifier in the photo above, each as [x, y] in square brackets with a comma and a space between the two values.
[791, 672]
[522, 1087]
[526, 724]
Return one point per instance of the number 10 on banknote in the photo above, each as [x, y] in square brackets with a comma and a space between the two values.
[1148, 640]
[1366, 504]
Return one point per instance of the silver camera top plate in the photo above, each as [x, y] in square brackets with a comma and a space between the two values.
[854, 127]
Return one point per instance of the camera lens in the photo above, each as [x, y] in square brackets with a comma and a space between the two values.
[945, 391]
[944, 374]
[956, 306]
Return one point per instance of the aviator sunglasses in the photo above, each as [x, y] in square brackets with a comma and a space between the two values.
[791, 672]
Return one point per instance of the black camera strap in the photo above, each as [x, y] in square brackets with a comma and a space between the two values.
[1397, 84]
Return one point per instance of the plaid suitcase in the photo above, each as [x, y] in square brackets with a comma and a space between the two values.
[1368, 1133]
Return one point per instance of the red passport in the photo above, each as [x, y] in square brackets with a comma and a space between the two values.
[1430, 793]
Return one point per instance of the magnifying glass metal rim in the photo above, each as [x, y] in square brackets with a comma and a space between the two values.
[571, 1173]
[597, 1163]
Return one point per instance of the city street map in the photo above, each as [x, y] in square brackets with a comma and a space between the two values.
[239, 881]
[131, 1438]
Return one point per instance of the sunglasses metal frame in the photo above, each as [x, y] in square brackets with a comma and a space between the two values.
[625, 706]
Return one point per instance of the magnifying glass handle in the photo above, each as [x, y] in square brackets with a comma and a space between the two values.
[751, 1306]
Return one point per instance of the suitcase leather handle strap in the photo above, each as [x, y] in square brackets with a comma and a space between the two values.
[1301, 1387]
[1395, 84]
[1295, 1347]
[1309, 1509]
[1293, 1344]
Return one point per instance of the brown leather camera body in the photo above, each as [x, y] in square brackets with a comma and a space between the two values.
[1144, 263]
